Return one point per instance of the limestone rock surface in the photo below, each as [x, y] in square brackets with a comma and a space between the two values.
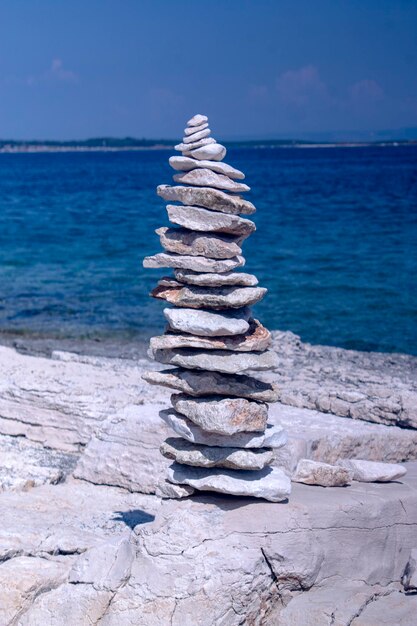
[223, 361]
[197, 119]
[216, 280]
[204, 220]
[218, 298]
[197, 144]
[196, 136]
[186, 164]
[167, 490]
[195, 263]
[208, 323]
[315, 473]
[204, 177]
[208, 198]
[211, 152]
[409, 579]
[373, 471]
[189, 130]
[186, 242]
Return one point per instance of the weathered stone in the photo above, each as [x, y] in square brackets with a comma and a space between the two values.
[223, 361]
[197, 218]
[272, 437]
[216, 280]
[207, 178]
[196, 136]
[257, 338]
[197, 383]
[208, 198]
[187, 453]
[182, 241]
[269, 484]
[409, 579]
[315, 473]
[195, 263]
[224, 416]
[167, 490]
[208, 323]
[212, 152]
[195, 129]
[185, 164]
[216, 298]
[372, 471]
[197, 119]
[196, 145]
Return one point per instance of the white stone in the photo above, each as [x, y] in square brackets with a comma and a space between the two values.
[197, 218]
[315, 473]
[197, 119]
[218, 298]
[202, 134]
[224, 361]
[186, 164]
[207, 178]
[167, 490]
[195, 129]
[195, 263]
[186, 147]
[206, 197]
[372, 471]
[216, 280]
[208, 323]
[209, 152]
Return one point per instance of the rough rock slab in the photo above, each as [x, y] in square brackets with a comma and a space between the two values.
[199, 219]
[209, 152]
[257, 338]
[206, 197]
[316, 473]
[409, 579]
[372, 471]
[217, 298]
[204, 177]
[224, 361]
[216, 280]
[224, 416]
[208, 323]
[195, 263]
[198, 383]
[273, 437]
[166, 489]
[269, 484]
[185, 164]
[197, 119]
[183, 241]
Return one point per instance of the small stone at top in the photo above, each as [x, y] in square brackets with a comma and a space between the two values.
[198, 119]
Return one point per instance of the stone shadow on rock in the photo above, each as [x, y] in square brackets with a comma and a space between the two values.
[133, 518]
[226, 502]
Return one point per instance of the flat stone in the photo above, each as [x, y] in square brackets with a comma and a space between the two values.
[197, 218]
[224, 416]
[409, 579]
[209, 297]
[216, 280]
[208, 323]
[187, 453]
[272, 437]
[208, 198]
[201, 143]
[167, 490]
[207, 178]
[195, 263]
[223, 361]
[197, 119]
[197, 383]
[269, 484]
[212, 152]
[201, 134]
[372, 471]
[257, 337]
[185, 164]
[182, 241]
[195, 129]
[315, 473]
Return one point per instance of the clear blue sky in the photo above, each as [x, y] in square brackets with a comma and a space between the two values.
[258, 68]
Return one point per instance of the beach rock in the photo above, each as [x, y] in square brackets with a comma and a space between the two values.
[212, 152]
[166, 490]
[195, 129]
[195, 263]
[185, 164]
[201, 134]
[182, 241]
[272, 437]
[372, 471]
[409, 579]
[197, 383]
[315, 473]
[207, 178]
[197, 218]
[206, 197]
[187, 453]
[224, 416]
[223, 361]
[269, 484]
[257, 338]
[201, 143]
[197, 119]
[208, 323]
[216, 280]
[217, 298]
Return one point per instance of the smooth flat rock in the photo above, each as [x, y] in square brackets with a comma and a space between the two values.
[273, 437]
[199, 219]
[269, 484]
[257, 337]
[195, 263]
[373, 471]
[197, 119]
[235, 279]
[315, 473]
[205, 177]
[167, 490]
[223, 361]
[201, 143]
[196, 136]
[189, 130]
[217, 298]
[409, 579]
[197, 383]
[211, 152]
[208, 323]
[208, 198]
[185, 164]
[183, 241]
[187, 453]
[224, 416]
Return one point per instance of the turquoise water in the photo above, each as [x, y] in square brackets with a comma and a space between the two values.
[336, 243]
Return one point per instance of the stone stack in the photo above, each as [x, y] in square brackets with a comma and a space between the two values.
[220, 413]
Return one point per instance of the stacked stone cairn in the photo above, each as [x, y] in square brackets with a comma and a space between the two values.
[220, 413]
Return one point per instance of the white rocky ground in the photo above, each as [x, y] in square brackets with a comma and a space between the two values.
[84, 541]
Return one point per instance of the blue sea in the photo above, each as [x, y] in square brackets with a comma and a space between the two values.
[336, 243]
